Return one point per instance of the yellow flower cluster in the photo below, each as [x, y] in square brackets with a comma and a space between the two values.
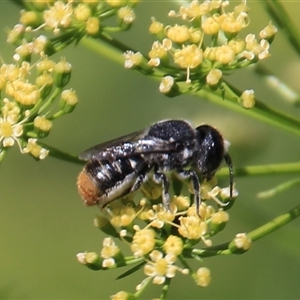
[70, 19]
[209, 46]
[165, 237]
[25, 103]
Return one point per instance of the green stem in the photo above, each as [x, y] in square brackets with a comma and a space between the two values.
[283, 20]
[260, 111]
[2, 153]
[254, 235]
[273, 169]
[54, 152]
[165, 289]
[145, 283]
[279, 188]
[288, 94]
[275, 224]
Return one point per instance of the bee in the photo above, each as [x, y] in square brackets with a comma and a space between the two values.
[120, 166]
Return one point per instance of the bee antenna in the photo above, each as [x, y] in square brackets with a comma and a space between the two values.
[230, 167]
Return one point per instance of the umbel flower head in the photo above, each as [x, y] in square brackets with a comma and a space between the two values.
[160, 240]
[69, 21]
[26, 102]
[206, 47]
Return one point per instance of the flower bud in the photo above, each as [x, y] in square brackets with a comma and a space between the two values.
[90, 259]
[122, 295]
[169, 87]
[157, 29]
[218, 221]
[30, 18]
[126, 16]
[45, 83]
[213, 77]
[42, 126]
[240, 244]
[203, 277]
[248, 99]
[92, 26]
[62, 71]
[68, 101]
[16, 35]
[82, 12]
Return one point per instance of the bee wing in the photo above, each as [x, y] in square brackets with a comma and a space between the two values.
[96, 151]
[134, 148]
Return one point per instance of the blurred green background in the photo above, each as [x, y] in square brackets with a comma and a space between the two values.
[43, 223]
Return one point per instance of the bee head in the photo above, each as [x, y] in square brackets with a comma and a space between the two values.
[211, 150]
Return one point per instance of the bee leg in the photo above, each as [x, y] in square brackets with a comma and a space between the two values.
[162, 179]
[142, 178]
[196, 186]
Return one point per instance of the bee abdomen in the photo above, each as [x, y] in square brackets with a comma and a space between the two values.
[101, 182]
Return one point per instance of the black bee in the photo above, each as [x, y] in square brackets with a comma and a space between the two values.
[119, 167]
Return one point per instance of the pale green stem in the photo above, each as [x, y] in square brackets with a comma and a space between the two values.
[274, 224]
[54, 152]
[283, 20]
[279, 86]
[273, 169]
[254, 235]
[144, 286]
[165, 289]
[279, 188]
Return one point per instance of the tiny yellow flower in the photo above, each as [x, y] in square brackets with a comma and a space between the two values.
[248, 98]
[158, 216]
[58, 15]
[122, 295]
[43, 124]
[166, 84]
[15, 34]
[92, 25]
[177, 33]
[25, 93]
[242, 241]
[210, 26]
[196, 35]
[9, 132]
[116, 3]
[132, 59]
[188, 57]
[29, 18]
[213, 77]
[225, 54]
[35, 150]
[268, 32]
[82, 12]
[126, 14]
[203, 277]
[45, 64]
[156, 27]
[194, 10]
[181, 202]
[160, 267]
[108, 252]
[39, 44]
[237, 45]
[69, 96]
[143, 242]
[192, 227]
[219, 217]
[174, 245]
[123, 216]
